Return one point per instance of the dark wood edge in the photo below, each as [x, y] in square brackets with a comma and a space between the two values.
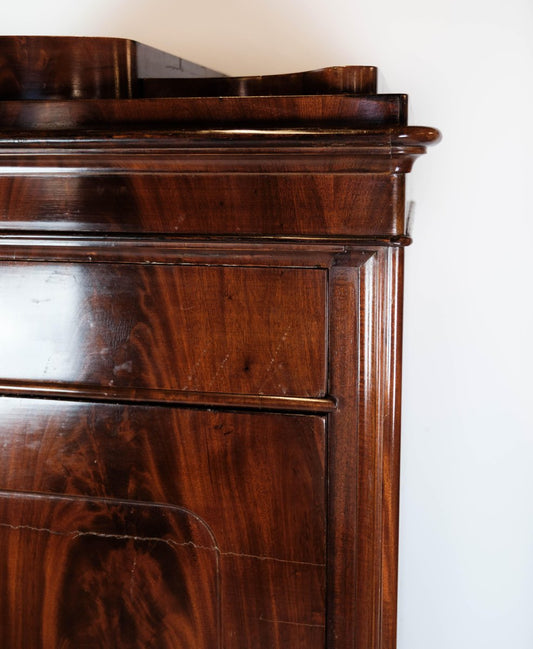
[315, 253]
[42, 68]
[284, 111]
[414, 136]
[104, 151]
[341, 461]
[331, 151]
[350, 79]
[91, 66]
[362, 555]
[79, 392]
[152, 139]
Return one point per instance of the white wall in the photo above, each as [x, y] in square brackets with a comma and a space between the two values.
[466, 564]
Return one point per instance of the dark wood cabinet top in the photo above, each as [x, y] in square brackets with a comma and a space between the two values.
[62, 67]
[90, 124]
[65, 83]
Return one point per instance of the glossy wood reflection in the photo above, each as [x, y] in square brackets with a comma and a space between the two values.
[257, 479]
[245, 491]
[63, 67]
[82, 569]
[165, 327]
[187, 203]
[200, 345]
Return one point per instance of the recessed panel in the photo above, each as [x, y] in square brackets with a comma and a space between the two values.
[153, 521]
[78, 573]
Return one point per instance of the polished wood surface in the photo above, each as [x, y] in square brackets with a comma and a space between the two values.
[227, 462]
[134, 326]
[239, 112]
[186, 203]
[347, 79]
[200, 359]
[77, 572]
[253, 485]
[64, 67]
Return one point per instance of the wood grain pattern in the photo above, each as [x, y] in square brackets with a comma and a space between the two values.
[201, 285]
[86, 570]
[238, 112]
[275, 604]
[321, 254]
[55, 68]
[351, 79]
[255, 478]
[246, 494]
[363, 514]
[225, 204]
[165, 327]
[62, 67]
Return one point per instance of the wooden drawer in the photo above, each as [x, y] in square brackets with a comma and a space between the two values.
[196, 526]
[168, 327]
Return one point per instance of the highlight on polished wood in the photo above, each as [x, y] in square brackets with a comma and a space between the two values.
[200, 351]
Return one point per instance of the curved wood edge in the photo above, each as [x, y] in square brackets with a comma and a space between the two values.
[67, 67]
[415, 136]
[352, 79]
[310, 150]
[215, 137]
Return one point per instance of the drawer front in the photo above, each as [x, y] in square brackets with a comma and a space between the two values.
[169, 327]
[213, 524]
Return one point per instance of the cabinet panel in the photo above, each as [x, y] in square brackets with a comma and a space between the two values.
[84, 571]
[184, 328]
[235, 501]
[272, 604]
[256, 478]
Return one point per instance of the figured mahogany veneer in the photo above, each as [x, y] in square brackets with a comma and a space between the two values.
[180, 328]
[201, 281]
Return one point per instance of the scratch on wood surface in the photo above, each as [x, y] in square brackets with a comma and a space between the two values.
[219, 369]
[266, 558]
[132, 575]
[317, 626]
[192, 372]
[274, 357]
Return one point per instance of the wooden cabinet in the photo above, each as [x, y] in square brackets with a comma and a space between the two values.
[200, 281]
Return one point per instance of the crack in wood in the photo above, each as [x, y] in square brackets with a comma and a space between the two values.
[154, 539]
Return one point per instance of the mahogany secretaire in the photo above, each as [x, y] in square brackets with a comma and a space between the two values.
[200, 317]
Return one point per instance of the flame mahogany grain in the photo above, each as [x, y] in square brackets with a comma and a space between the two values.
[201, 290]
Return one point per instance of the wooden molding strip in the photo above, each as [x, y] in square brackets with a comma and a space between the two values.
[168, 397]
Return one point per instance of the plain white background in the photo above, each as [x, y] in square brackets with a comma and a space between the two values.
[466, 562]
